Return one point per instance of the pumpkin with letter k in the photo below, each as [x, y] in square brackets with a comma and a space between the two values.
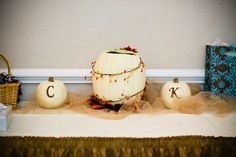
[173, 90]
[51, 93]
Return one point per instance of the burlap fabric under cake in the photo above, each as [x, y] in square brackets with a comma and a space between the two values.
[198, 103]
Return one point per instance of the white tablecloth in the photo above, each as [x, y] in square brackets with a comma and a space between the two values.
[71, 124]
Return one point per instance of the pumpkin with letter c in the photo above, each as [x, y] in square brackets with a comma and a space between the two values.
[173, 90]
[118, 75]
[51, 93]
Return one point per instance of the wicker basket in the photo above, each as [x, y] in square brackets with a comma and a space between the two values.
[9, 91]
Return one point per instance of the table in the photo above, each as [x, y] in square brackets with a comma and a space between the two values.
[67, 133]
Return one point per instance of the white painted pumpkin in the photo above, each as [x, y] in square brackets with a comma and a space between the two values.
[173, 90]
[51, 93]
[118, 74]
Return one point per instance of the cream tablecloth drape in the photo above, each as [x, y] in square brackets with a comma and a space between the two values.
[63, 132]
[64, 123]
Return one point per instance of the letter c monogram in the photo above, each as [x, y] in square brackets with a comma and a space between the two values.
[50, 96]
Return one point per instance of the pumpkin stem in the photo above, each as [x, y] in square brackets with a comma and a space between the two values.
[176, 80]
[51, 79]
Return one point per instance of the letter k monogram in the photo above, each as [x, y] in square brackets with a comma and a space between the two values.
[173, 92]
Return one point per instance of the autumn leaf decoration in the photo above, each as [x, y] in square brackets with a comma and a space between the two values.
[128, 48]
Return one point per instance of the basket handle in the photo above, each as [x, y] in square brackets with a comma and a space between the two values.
[8, 66]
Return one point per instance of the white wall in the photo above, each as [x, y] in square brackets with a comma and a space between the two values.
[170, 34]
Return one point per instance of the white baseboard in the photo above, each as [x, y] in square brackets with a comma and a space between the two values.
[28, 76]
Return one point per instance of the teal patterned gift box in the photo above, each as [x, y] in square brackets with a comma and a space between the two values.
[220, 70]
